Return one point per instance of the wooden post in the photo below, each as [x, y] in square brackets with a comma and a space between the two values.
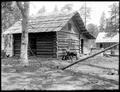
[90, 56]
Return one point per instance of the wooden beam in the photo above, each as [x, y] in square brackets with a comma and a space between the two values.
[90, 56]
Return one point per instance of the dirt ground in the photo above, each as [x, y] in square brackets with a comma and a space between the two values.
[44, 74]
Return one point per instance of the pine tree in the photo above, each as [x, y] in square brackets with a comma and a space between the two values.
[113, 20]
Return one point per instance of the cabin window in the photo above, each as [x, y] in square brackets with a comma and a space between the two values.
[69, 26]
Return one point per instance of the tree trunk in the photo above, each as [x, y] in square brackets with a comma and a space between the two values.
[24, 42]
[24, 38]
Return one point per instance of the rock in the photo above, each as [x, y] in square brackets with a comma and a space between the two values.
[112, 72]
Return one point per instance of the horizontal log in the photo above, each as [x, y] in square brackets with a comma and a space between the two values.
[60, 54]
[17, 46]
[61, 33]
[67, 36]
[46, 56]
[67, 32]
[17, 49]
[42, 42]
[62, 47]
[44, 45]
[62, 36]
[38, 53]
[74, 44]
[32, 47]
[37, 45]
[66, 45]
[17, 53]
[59, 44]
[64, 52]
[45, 50]
[17, 43]
[67, 41]
[72, 40]
[45, 53]
[65, 49]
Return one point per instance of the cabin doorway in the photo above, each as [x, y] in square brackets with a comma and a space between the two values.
[32, 45]
[101, 45]
[82, 44]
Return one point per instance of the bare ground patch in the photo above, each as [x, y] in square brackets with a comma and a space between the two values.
[44, 74]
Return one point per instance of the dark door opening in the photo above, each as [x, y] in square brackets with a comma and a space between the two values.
[16, 44]
[82, 44]
[101, 45]
[32, 45]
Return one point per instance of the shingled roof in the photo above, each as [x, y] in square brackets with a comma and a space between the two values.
[48, 23]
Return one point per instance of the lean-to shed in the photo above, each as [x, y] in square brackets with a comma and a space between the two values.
[50, 35]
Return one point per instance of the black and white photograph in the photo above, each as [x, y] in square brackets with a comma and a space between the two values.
[59, 45]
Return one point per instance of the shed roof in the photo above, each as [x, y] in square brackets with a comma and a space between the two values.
[48, 23]
[103, 38]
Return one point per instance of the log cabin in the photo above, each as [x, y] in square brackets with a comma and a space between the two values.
[106, 39]
[50, 35]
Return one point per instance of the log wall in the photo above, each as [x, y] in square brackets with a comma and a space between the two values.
[67, 38]
[40, 44]
[46, 44]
